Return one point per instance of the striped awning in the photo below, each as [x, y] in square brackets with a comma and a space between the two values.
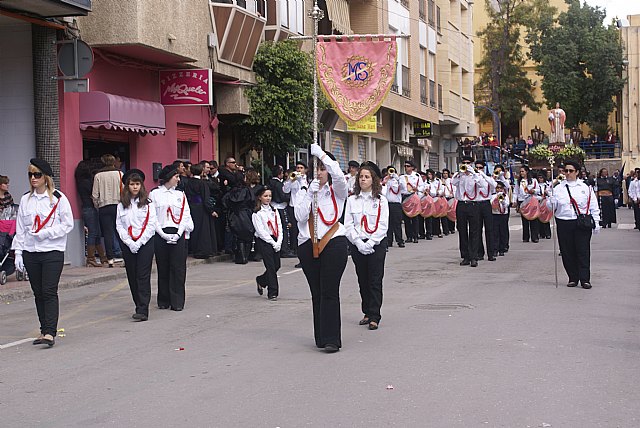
[339, 15]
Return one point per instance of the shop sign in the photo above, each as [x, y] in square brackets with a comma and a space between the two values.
[186, 87]
[368, 124]
[422, 129]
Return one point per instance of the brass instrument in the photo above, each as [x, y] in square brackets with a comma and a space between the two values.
[391, 171]
[501, 197]
[293, 176]
[496, 175]
[463, 167]
[561, 177]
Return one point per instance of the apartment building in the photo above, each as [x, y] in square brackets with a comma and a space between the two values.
[630, 119]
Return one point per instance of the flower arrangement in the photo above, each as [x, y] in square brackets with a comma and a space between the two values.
[541, 152]
[571, 151]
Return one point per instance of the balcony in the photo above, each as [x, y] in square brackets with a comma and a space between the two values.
[432, 94]
[423, 89]
[394, 87]
[431, 13]
[440, 109]
[421, 11]
[238, 26]
[405, 3]
[406, 82]
[284, 18]
[49, 8]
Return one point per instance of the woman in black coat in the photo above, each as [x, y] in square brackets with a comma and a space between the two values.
[605, 186]
[202, 243]
[239, 203]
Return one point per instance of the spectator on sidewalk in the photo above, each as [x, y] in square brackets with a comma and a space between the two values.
[90, 218]
[6, 200]
[107, 187]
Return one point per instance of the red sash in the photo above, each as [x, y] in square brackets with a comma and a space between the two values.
[38, 225]
[335, 210]
[365, 224]
[144, 227]
[170, 212]
[274, 231]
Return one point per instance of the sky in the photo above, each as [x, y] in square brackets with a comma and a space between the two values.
[619, 8]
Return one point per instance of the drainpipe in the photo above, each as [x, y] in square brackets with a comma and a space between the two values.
[45, 97]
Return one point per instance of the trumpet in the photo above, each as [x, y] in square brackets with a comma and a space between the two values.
[294, 175]
[464, 168]
[501, 197]
[391, 171]
[561, 177]
[496, 175]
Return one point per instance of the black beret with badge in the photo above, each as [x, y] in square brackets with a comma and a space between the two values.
[42, 165]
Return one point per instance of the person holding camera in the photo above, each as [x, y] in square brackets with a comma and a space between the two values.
[575, 207]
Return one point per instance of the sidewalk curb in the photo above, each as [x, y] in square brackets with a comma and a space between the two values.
[24, 292]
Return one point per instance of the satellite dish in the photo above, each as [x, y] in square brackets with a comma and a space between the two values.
[67, 55]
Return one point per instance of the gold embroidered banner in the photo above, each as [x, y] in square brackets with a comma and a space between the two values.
[356, 76]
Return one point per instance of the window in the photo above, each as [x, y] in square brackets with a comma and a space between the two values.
[438, 27]
[431, 13]
[421, 10]
[406, 83]
[184, 150]
[440, 98]
[423, 90]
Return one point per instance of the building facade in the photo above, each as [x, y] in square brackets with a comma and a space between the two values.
[631, 94]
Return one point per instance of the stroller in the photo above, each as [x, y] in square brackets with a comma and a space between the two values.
[7, 232]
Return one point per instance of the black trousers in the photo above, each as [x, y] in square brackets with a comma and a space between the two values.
[486, 221]
[370, 271]
[468, 218]
[636, 214]
[171, 262]
[323, 275]
[500, 240]
[293, 231]
[271, 261]
[107, 216]
[138, 267]
[44, 271]
[544, 229]
[575, 247]
[411, 226]
[530, 229]
[395, 223]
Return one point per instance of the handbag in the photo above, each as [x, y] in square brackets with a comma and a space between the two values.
[584, 221]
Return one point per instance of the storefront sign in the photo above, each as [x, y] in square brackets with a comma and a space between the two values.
[186, 87]
[422, 129]
[368, 124]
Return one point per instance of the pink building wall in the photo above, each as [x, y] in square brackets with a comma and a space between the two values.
[144, 150]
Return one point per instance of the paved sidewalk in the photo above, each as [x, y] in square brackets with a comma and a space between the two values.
[73, 277]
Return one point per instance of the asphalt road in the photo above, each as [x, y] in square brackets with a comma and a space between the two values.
[497, 345]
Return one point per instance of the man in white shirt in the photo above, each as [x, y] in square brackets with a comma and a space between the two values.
[395, 188]
[413, 184]
[292, 187]
[280, 201]
[634, 196]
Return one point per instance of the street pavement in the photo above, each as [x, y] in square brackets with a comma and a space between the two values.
[498, 345]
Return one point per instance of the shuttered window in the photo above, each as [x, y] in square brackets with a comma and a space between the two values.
[188, 133]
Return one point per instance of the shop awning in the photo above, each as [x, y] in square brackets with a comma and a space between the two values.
[99, 109]
[339, 15]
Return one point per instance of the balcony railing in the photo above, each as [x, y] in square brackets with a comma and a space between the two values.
[421, 10]
[405, 3]
[440, 109]
[394, 87]
[406, 83]
[423, 89]
[432, 94]
[438, 27]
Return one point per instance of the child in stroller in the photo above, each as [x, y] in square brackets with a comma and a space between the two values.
[7, 232]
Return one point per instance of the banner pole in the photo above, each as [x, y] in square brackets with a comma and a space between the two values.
[316, 14]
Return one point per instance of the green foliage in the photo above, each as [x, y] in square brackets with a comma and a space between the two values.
[282, 100]
[504, 85]
[580, 61]
[571, 151]
[541, 151]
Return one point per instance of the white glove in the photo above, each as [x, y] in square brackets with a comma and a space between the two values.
[39, 236]
[394, 175]
[19, 263]
[363, 248]
[314, 186]
[173, 239]
[276, 247]
[368, 246]
[135, 247]
[596, 230]
[163, 235]
[316, 150]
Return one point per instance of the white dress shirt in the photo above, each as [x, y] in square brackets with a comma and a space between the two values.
[471, 186]
[523, 190]
[267, 224]
[293, 187]
[581, 193]
[331, 201]
[53, 235]
[499, 207]
[136, 217]
[413, 183]
[396, 187]
[436, 189]
[449, 191]
[172, 210]
[542, 190]
[634, 190]
[375, 211]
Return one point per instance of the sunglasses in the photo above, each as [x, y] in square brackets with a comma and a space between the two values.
[569, 170]
[35, 174]
[231, 162]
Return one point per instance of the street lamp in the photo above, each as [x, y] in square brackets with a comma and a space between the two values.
[535, 135]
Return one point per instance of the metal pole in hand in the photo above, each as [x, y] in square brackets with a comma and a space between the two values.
[552, 162]
[316, 14]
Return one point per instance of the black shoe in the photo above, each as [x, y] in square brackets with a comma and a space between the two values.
[415, 240]
[474, 263]
[422, 237]
[535, 241]
[288, 256]
[429, 238]
[465, 262]
[330, 348]
[491, 258]
[440, 236]
[586, 285]
[401, 245]
[298, 265]
[259, 287]
[49, 342]
[37, 341]
[163, 306]
[525, 240]
[373, 325]
[273, 298]
[176, 309]
[501, 253]
[140, 317]
[572, 284]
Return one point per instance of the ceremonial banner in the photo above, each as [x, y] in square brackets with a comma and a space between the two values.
[356, 75]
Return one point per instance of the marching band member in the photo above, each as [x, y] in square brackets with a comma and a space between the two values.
[500, 214]
[136, 225]
[486, 187]
[395, 188]
[425, 225]
[436, 190]
[352, 175]
[324, 269]
[268, 233]
[500, 176]
[466, 183]
[542, 191]
[293, 186]
[634, 196]
[366, 223]
[413, 184]
[571, 199]
[43, 222]
[521, 193]
[173, 226]
[449, 193]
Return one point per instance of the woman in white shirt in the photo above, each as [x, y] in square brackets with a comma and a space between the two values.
[324, 265]
[366, 221]
[521, 193]
[268, 232]
[44, 220]
[136, 225]
[172, 231]
[570, 199]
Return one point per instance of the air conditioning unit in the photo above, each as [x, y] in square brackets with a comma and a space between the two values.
[402, 127]
[211, 40]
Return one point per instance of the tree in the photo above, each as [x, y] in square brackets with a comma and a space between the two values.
[281, 102]
[503, 85]
[580, 61]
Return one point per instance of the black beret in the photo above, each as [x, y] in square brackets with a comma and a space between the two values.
[410, 163]
[128, 174]
[429, 170]
[467, 159]
[479, 161]
[354, 164]
[373, 166]
[42, 165]
[167, 172]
